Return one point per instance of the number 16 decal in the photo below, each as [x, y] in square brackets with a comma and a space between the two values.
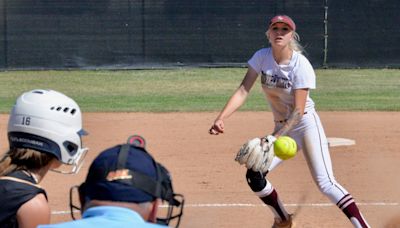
[26, 120]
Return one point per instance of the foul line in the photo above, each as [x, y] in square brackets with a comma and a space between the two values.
[218, 205]
[288, 204]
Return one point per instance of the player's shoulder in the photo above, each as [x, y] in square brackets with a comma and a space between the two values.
[300, 59]
[263, 51]
[299, 56]
[262, 54]
[35, 211]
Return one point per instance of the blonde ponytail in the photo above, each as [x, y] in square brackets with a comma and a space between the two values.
[5, 164]
[295, 43]
[23, 159]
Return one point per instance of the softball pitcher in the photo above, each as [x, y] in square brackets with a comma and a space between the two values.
[286, 78]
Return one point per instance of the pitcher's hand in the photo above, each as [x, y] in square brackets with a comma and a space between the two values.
[217, 127]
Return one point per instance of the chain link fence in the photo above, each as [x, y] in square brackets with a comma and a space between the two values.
[129, 34]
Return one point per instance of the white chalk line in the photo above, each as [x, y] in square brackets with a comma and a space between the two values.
[218, 205]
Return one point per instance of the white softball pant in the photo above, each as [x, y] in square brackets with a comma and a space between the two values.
[311, 139]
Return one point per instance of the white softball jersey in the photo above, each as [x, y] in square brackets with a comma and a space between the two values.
[280, 81]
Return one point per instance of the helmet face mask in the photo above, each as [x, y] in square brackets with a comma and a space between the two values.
[172, 209]
[76, 164]
[49, 122]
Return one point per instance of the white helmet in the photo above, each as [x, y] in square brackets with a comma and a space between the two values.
[49, 122]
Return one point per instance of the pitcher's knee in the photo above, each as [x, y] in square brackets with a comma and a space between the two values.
[331, 188]
[325, 186]
[256, 180]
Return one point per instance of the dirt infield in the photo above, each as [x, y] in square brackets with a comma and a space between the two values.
[214, 186]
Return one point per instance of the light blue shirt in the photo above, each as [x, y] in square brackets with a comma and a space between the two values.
[107, 216]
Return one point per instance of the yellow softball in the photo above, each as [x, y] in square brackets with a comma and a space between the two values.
[285, 147]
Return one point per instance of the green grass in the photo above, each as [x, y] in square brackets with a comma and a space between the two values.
[361, 90]
[198, 89]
